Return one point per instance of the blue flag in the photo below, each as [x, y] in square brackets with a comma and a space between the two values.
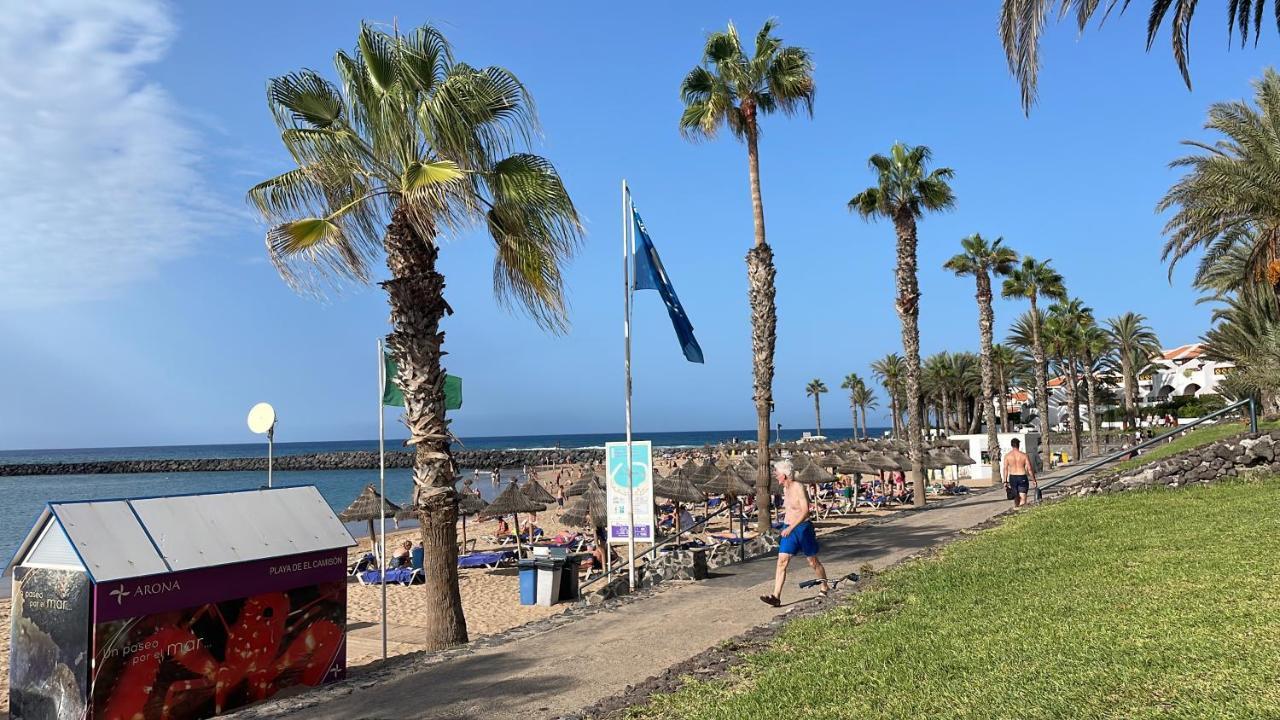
[650, 275]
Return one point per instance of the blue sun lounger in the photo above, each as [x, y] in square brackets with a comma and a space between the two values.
[394, 576]
[484, 559]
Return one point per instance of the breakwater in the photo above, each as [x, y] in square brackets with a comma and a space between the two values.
[356, 460]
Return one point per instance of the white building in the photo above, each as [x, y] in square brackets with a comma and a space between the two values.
[1181, 371]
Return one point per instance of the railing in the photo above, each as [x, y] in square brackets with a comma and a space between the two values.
[1253, 428]
[622, 567]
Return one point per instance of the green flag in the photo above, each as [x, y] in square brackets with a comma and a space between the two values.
[391, 394]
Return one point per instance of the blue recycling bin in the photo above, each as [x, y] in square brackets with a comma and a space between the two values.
[528, 582]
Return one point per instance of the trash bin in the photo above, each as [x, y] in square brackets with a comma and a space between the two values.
[549, 570]
[569, 578]
[528, 582]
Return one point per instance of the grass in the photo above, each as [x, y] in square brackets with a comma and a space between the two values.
[1160, 604]
[1201, 436]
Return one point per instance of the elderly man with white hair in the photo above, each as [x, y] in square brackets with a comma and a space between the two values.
[798, 535]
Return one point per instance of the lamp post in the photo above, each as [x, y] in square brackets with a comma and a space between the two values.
[262, 419]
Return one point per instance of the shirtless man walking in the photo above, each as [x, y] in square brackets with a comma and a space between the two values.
[797, 537]
[1019, 476]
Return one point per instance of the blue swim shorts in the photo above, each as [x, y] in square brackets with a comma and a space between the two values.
[802, 539]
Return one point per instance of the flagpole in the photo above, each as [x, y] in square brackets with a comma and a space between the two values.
[382, 492]
[626, 335]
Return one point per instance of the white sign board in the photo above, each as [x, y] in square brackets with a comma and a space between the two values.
[639, 493]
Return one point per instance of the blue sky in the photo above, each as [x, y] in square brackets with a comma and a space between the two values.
[137, 307]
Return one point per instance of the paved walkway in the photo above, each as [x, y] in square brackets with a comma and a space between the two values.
[561, 671]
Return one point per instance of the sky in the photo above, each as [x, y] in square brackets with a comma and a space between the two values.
[137, 306]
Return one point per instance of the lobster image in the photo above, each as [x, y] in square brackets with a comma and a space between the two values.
[255, 662]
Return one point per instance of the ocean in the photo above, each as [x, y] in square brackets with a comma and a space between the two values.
[23, 498]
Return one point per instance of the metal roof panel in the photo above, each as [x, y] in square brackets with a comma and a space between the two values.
[109, 539]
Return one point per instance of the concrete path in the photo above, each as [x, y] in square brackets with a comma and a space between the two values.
[565, 669]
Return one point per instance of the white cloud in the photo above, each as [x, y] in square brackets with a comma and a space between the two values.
[99, 183]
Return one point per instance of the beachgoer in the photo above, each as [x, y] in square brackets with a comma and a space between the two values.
[798, 535]
[1018, 474]
[402, 557]
[559, 495]
[503, 528]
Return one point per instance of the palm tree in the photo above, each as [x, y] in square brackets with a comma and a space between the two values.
[851, 383]
[1095, 346]
[938, 382]
[891, 371]
[982, 261]
[1230, 197]
[864, 397]
[1064, 341]
[1022, 23]
[734, 89]
[1034, 279]
[413, 144]
[1133, 339]
[904, 191]
[1003, 362]
[814, 389]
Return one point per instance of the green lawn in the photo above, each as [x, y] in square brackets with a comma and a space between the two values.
[1159, 604]
[1203, 435]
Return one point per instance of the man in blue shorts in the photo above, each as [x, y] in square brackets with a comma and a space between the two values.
[1019, 474]
[797, 537]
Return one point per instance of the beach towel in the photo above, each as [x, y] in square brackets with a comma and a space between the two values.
[484, 559]
[400, 576]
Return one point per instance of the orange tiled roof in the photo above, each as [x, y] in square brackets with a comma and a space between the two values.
[1184, 352]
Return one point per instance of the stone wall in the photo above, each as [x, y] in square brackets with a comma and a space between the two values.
[1204, 465]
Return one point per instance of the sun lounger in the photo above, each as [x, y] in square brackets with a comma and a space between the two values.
[365, 563]
[394, 576]
[484, 559]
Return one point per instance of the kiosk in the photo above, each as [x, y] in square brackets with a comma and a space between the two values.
[178, 607]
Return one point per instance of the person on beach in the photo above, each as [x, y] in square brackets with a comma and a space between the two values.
[798, 535]
[403, 556]
[559, 495]
[1018, 474]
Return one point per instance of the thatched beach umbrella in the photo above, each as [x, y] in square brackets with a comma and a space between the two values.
[727, 481]
[960, 457]
[368, 505]
[880, 461]
[813, 474]
[535, 492]
[676, 488]
[512, 502]
[581, 485]
[469, 503]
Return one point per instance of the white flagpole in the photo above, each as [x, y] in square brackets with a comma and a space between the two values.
[626, 334]
[382, 492]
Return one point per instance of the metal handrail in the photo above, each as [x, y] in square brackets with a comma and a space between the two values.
[622, 567]
[1253, 428]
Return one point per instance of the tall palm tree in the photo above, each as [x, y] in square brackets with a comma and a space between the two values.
[1064, 341]
[1133, 339]
[1095, 346]
[864, 397]
[734, 89]
[983, 260]
[851, 383]
[1022, 23]
[814, 389]
[1034, 279]
[411, 145]
[1003, 362]
[891, 371]
[937, 382]
[905, 189]
[1230, 196]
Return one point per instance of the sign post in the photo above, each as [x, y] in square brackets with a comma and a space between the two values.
[630, 494]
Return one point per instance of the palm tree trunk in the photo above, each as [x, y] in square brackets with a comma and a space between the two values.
[1090, 382]
[817, 412]
[1004, 410]
[893, 409]
[986, 319]
[1126, 370]
[416, 295]
[908, 307]
[1042, 383]
[944, 415]
[764, 325]
[854, 408]
[1073, 405]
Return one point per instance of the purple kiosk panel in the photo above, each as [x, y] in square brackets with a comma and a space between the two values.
[202, 642]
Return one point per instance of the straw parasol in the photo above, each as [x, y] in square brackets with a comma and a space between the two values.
[677, 488]
[813, 474]
[880, 461]
[535, 492]
[581, 485]
[960, 457]
[854, 464]
[368, 505]
[726, 481]
[512, 502]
